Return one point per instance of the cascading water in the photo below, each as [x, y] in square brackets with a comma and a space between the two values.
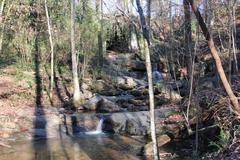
[98, 128]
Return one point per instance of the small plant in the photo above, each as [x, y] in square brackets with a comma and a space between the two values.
[173, 157]
[30, 85]
[222, 140]
[172, 113]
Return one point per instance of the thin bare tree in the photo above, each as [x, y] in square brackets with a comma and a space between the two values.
[145, 30]
[52, 50]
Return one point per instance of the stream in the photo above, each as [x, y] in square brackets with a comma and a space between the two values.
[98, 147]
[88, 145]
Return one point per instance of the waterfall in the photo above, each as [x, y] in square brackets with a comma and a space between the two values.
[98, 128]
[156, 74]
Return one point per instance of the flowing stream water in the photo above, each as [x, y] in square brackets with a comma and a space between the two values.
[99, 147]
[90, 145]
[98, 130]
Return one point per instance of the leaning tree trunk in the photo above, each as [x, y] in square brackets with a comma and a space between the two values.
[145, 30]
[76, 94]
[214, 52]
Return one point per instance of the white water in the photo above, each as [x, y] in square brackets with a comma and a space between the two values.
[157, 75]
[98, 129]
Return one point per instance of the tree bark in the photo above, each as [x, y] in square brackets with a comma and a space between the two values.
[214, 52]
[188, 36]
[145, 29]
[1, 24]
[149, 12]
[1, 9]
[52, 52]
[99, 6]
[76, 94]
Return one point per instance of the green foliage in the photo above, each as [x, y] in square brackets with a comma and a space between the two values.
[222, 140]
[171, 113]
[173, 157]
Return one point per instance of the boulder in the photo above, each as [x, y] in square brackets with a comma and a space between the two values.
[138, 92]
[167, 93]
[101, 87]
[137, 123]
[125, 123]
[107, 106]
[126, 82]
[135, 127]
[162, 140]
[85, 86]
[87, 94]
[136, 65]
[93, 103]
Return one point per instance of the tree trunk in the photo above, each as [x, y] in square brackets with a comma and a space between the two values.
[149, 13]
[1, 24]
[234, 31]
[99, 5]
[1, 10]
[145, 30]
[52, 52]
[188, 36]
[76, 94]
[217, 59]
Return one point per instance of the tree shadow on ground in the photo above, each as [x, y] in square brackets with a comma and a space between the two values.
[39, 131]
